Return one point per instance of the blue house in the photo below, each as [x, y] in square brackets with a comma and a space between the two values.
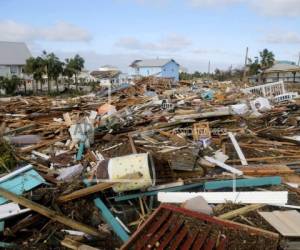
[167, 68]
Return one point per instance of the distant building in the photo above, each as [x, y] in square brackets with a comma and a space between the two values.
[167, 68]
[13, 56]
[108, 75]
[286, 72]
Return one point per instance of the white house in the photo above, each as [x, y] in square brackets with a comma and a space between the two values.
[13, 56]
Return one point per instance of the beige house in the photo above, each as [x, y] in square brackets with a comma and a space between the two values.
[281, 71]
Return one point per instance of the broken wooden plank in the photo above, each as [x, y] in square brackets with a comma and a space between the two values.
[53, 215]
[72, 244]
[133, 148]
[224, 166]
[266, 170]
[255, 197]
[20, 181]
[21, 129]
[240, 211]
[109, 217]
[85, 191]
[238, 149]
[11, 209]
[287, 223]
[43, 143]
[254, 182]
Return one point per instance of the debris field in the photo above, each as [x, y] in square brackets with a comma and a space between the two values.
[154, 165]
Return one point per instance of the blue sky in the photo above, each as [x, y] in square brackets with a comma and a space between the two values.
[190, 31]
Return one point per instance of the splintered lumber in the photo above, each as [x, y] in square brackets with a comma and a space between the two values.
[134, 151]
[85, 191]
[72, 244]
[97, 188]
[42, 144]
[21, 129]
[53, 215]
[255, 197]
[224, 166]
[267, 158]
[217, 113]
[238, 149]
[278, 138]
[240, 211]
[266, 170]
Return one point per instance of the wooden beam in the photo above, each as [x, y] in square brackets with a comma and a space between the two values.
[73, 244]
[240, 211]
[85, 191]
[238, 149]
[224, 166]
[42, 144]
[133, 148]
[53, 215]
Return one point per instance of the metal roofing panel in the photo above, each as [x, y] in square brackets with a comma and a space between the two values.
[286, 223]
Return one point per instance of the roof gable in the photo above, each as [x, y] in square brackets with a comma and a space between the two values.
[151, 63]
[13, 53]
[282, 67]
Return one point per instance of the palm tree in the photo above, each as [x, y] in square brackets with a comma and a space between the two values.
[54, 69]
[267, 59]
[74, 66]
[36, 68]
[67, 71]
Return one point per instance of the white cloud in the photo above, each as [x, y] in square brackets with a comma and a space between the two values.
[171, 42]
[277, 7]
[266, 7]
[60, 31]
[213, 3]
[283, 38]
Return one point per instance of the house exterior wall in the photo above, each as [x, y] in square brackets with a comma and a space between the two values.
[10, 70]
[285, 76]
[170, 70]
[150, 71]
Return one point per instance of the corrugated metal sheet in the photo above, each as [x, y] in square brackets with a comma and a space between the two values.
[286, 223]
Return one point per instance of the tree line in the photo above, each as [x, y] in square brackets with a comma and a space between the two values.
[265, 60]
[45, 68]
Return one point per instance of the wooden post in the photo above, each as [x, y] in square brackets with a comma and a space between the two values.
[53, 215]
[85, 191]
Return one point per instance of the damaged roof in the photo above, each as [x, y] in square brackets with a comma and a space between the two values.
[282, 67]
[13, 53]
[151, 63]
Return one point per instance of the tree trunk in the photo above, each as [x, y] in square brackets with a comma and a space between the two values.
[49, 85]
[57, 89]
[34, 86]
[76, 83]
[25, 86]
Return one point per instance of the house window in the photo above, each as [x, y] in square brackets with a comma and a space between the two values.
[14, 70]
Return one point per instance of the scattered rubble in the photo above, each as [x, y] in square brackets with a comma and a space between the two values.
[90, 172]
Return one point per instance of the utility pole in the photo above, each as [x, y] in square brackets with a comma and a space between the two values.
[208, 69]
[245, 67]
[299, 59]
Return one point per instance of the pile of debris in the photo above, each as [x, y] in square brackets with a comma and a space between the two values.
[152, 166]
